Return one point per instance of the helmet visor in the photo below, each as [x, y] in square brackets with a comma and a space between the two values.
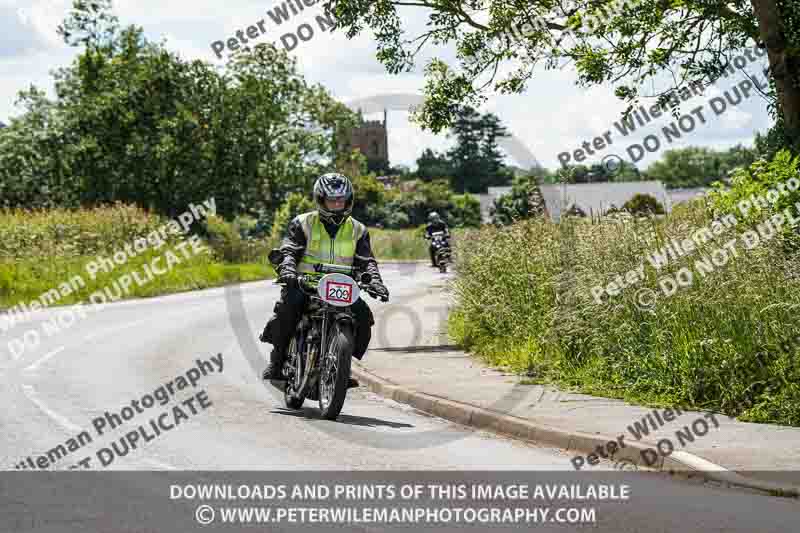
[336, 204]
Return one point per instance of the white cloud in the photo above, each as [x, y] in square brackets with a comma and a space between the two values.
[28, 27]
[552, 116]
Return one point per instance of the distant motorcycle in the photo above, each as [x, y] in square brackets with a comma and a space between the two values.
[319, 355]
[441, 250]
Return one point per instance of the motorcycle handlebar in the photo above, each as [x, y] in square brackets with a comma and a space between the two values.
[302, 282]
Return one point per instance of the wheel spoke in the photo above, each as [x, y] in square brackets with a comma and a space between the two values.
[328, 374]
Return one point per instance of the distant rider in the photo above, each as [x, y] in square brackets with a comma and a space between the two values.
[435, 223]
[327, 235]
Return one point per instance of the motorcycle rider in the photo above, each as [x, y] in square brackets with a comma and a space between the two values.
[435, 223]
[327, 235]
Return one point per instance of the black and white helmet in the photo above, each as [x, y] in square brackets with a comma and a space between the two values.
[333, 186]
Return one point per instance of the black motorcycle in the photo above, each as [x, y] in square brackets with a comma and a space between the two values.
[319, 355]
[441, 250]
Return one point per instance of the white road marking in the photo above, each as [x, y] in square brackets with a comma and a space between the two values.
[31, 395]
[159, 464]
[35, 366]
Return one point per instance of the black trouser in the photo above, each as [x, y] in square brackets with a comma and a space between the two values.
[432, 251]
[289, 309]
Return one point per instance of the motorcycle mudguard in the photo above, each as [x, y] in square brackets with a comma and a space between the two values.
[345, 318]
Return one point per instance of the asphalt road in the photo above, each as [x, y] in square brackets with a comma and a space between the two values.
[113, 357]
[62, 389]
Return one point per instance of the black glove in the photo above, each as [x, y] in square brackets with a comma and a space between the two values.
[288, 278]
[380, 289]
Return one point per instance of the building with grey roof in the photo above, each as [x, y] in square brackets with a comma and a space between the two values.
[595, 199]
[684, 195]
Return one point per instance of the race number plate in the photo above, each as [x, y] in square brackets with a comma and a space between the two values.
[338, 289]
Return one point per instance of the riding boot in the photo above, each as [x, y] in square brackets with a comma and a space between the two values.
[274, 370]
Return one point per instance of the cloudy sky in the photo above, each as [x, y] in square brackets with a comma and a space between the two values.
[552, 117]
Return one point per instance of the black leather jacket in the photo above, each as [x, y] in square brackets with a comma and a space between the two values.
[433, 227]
[294, 245]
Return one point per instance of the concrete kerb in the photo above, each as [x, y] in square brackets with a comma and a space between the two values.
[679, 463]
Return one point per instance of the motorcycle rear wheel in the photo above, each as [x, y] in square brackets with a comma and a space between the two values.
[335, 371]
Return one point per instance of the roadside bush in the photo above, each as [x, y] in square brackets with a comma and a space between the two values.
[396, 209]
[294, 205]
[525, 201]
[643, 204]
[464, 211]
[394, 218]
[370, 200]
[575, 211]
[245, 225]
[427, 197]
[757, 181]
[225, 239]
[58, 233]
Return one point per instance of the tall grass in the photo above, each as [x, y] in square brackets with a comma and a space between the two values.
[727, 342]
[39, 250]
[61, 233]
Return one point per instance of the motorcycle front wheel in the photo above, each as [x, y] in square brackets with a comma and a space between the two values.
[335, 371]
[294, 378]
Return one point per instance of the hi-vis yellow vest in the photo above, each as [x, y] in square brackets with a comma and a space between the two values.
[320, 248]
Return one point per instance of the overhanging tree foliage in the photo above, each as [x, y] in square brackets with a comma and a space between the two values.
[627, 43]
